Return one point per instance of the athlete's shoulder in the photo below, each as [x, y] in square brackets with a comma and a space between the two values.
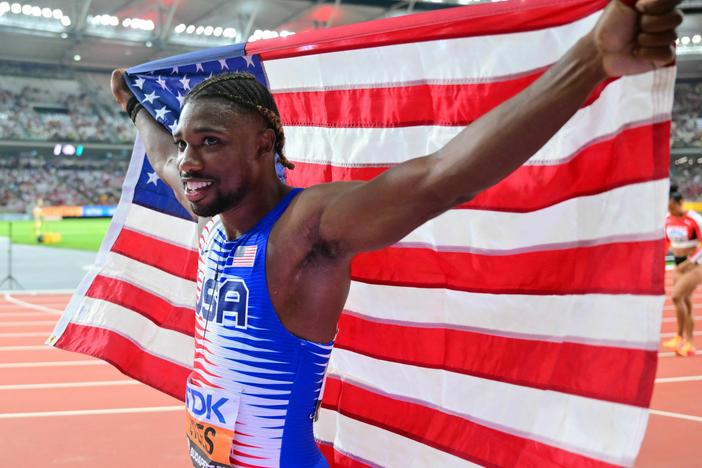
[695, 216]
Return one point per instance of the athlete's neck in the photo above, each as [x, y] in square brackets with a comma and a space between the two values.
[252, 208]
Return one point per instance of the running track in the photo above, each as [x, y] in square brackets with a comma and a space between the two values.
[68, 410]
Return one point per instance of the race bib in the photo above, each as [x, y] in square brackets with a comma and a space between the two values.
[210, 420]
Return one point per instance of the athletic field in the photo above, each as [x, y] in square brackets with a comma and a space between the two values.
[80, 234]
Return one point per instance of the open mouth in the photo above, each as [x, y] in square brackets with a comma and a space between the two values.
[195, 190]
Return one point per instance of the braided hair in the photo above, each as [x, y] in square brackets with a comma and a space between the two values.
[245, 90]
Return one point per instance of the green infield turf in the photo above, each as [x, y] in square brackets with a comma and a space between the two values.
[82, 234]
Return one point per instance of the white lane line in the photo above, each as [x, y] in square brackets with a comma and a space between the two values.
[44, 323]
[26, 348]
[97, 383]
[4, 315]
[38, 292]
[46, 414]
[668, 414]
[666, 354]
[29, 305]
[689, 378]
[19, 365]
[24, 334]
[673, 319]
[672, 334]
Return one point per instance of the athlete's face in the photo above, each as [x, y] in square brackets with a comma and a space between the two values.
[675, 207]
[219, 154]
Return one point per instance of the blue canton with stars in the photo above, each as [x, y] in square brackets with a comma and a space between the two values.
[161, 87]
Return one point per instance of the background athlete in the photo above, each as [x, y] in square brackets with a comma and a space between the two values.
[683, 231]
[222, 164]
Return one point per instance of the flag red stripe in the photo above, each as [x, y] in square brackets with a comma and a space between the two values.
[336, 458]
[403, 106]
[449, 433]
[630, 157]
[158, 310]
[602, 372]
[127, 357]
[157, 253]
[614, 268]
[475, 20]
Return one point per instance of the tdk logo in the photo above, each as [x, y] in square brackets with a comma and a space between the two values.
[203, 406]
[228, 301]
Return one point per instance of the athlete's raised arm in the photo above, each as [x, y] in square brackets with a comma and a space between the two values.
[160, 149]
[364, 216]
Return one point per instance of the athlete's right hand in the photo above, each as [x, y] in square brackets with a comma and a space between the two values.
[119, 88]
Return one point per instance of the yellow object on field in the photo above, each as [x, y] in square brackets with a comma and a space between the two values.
[49, 238]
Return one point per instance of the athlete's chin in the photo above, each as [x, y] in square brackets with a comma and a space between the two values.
[207, 209]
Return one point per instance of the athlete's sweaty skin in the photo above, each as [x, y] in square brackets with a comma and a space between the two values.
[311, 247]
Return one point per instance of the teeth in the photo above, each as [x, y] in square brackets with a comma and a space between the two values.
[193, 185]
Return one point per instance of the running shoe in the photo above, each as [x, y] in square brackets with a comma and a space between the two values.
[686, 349]
[673, 343]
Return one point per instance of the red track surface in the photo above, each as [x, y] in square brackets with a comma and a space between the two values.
[143, 427]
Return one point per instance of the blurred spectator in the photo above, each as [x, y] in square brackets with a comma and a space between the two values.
[687, 115]
[59, 182]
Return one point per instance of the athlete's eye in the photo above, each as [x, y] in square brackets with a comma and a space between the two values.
[210, 141]
[181, 145]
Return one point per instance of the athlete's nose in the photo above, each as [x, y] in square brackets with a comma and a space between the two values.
[189, 161]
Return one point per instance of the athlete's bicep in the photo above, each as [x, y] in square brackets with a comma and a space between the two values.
[370, 215]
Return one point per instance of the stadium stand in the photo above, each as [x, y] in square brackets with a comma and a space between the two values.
[59, 182]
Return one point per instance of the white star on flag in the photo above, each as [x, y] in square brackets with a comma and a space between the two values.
[150, 97]
[198, 67]
[180, 99]
[249, 61]
[173, 126]
[185, 81]
[162, 82]
[153, 178]
[139, 83]
[174, 71]
[223, 64]
[161, 113]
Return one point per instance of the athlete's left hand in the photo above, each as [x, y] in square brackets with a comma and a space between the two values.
[637, 36]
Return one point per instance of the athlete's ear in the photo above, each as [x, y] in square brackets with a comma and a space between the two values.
[266, 143]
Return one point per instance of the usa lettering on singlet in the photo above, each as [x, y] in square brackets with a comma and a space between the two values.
[254, 389]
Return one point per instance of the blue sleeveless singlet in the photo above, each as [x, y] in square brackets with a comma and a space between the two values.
[254, 385]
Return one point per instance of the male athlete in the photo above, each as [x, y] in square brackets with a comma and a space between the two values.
[275, 260]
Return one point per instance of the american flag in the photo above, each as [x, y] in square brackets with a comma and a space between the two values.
[244, 256]
[519, 329]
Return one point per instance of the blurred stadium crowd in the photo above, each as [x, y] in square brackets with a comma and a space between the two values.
[48, 103]
[59, 182]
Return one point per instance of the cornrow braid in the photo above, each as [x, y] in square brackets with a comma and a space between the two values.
[244, 89]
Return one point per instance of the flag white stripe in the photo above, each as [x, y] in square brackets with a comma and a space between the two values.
[621, 214]
[161, 342]
[371, 443]
[482, 58]
[629, 321]
[559, 419]
[623, 104]
[171, 229]
[178, 291]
